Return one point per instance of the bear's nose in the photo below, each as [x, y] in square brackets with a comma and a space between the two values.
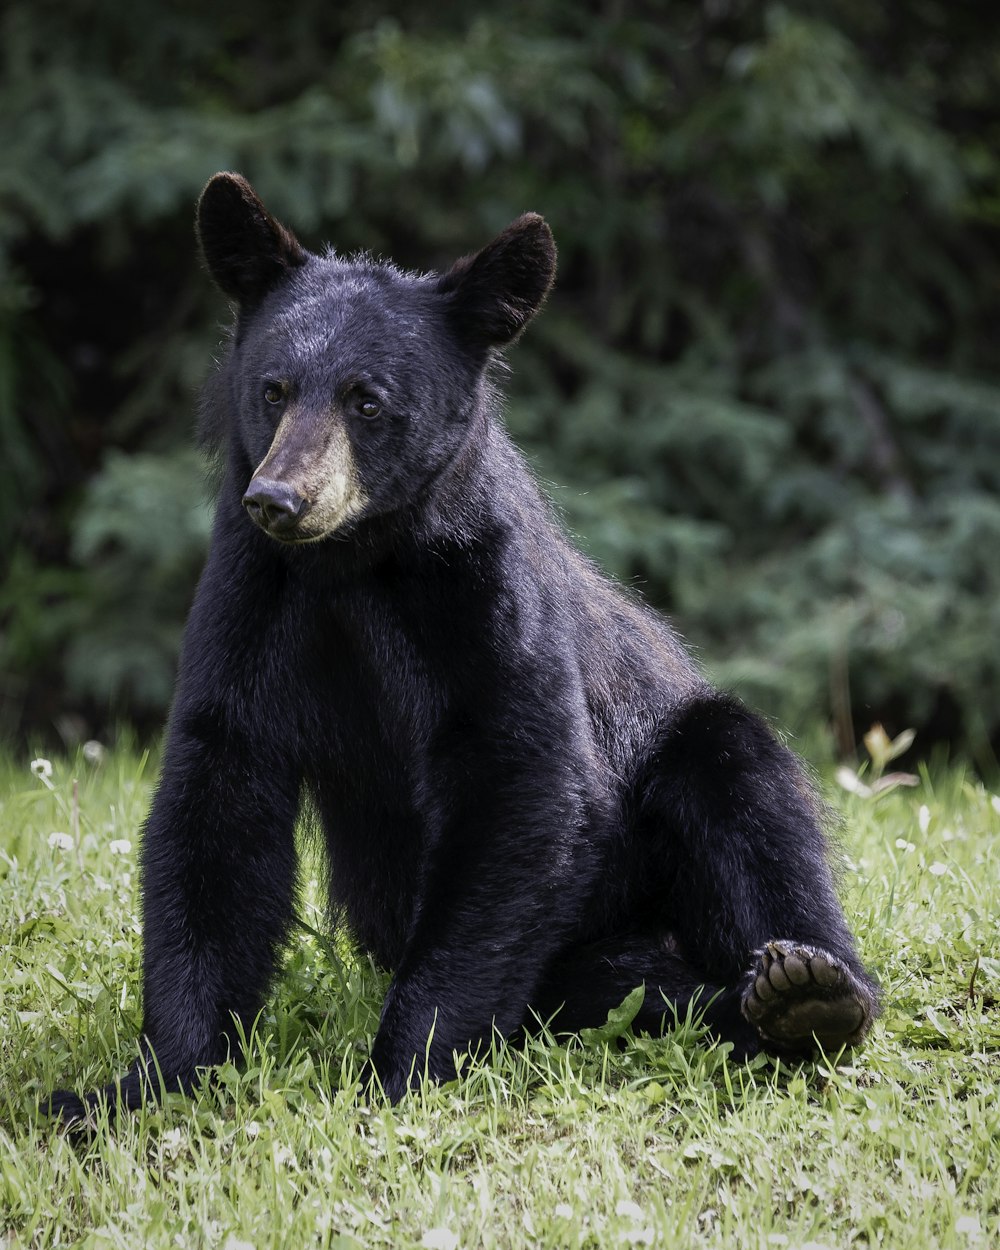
[274, 506]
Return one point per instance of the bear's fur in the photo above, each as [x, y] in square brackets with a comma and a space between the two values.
[532, 801]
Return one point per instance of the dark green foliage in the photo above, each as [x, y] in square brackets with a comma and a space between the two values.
[766, 384]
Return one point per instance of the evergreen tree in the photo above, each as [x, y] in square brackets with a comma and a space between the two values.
[766, 390]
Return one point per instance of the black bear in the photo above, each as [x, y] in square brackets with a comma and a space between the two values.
[532, 802]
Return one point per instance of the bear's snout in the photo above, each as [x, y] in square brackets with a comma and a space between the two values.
[276, 507]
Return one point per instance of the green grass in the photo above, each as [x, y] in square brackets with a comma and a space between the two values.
[663, 1142]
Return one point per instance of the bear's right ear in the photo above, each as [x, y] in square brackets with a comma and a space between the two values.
[493, 294]
[246, 250]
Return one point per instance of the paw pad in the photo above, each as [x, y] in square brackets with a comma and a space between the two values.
[800, 995]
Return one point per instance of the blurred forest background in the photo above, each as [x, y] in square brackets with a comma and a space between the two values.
[766, 390]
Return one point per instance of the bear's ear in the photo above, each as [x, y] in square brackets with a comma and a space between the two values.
[247, 252]
[494, 294]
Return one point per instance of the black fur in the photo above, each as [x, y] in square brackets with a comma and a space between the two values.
[531, 798]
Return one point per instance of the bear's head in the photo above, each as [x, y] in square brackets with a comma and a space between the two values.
[354, 385]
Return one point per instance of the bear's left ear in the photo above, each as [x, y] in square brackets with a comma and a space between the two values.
[246, 250]
[494, 294]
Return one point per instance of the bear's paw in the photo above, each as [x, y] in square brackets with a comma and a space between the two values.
[800, 996]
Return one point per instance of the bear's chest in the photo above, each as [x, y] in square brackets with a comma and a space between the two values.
[368, 687]
[368, 704]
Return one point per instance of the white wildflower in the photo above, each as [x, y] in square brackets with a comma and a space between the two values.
[172, 1142]
[937, 869]
[120, 846]
[924, 817]
[630, 1209]
[439, 1239]
[42, 769]
[852, 783]
[903, 845]
[563, 1211]
[94, 752]
[61, 841]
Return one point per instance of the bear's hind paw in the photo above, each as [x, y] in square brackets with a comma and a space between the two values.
[801, 995]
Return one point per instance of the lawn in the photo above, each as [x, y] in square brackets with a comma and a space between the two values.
[596, 1143]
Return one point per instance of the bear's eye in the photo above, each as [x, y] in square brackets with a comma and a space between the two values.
[369, 408]
[274, 392]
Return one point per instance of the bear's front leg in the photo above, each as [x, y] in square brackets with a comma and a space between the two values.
[219, 872]
[218, 875]
[504, 889]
